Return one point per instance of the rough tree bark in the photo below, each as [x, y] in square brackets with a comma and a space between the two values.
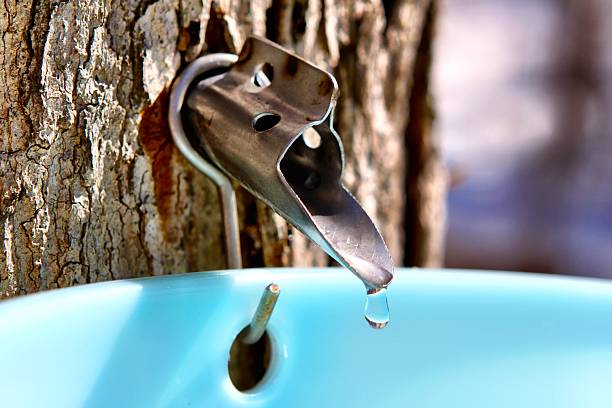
[91, 186]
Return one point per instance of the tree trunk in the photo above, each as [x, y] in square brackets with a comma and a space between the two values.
[91, 185]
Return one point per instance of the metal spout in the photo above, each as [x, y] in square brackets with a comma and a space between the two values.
[267, 122]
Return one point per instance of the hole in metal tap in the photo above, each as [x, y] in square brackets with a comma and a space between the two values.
[249, 363]
[265, 121]
[312, 167]
[311, 138]
[263, 75]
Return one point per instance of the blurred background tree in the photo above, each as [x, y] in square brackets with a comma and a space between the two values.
[523, 95]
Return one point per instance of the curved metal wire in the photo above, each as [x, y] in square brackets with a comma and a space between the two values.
[228, 197]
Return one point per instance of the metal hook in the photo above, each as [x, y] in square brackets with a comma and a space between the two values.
[262, 315]
[228, 197]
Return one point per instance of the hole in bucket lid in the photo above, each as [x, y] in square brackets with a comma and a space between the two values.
[249, 363]
[265, 121]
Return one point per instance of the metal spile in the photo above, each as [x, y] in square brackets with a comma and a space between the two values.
[255, 122]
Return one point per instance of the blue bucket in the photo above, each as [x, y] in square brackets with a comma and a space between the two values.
[456, 339]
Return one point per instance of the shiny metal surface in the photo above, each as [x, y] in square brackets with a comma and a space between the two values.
[250, 122]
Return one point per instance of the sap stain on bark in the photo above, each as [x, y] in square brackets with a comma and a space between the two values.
[156, 141]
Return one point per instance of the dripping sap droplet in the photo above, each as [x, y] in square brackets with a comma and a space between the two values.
[376, 308]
